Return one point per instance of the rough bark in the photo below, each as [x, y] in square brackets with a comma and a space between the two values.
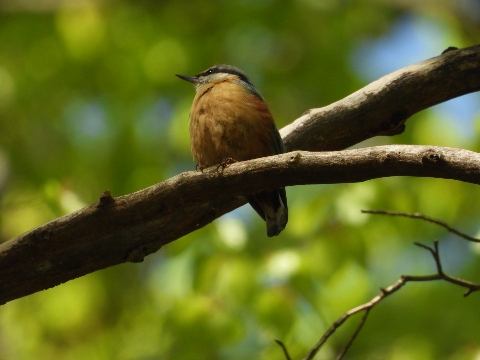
[127, 228]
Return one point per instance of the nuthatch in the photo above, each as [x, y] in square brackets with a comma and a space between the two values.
[230, 120]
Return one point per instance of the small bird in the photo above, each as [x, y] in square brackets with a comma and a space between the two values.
[230, 121]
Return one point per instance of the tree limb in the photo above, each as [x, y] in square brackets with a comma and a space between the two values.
[382, 107]
[127, 228]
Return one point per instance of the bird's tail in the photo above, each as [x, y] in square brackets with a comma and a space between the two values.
[271, 205]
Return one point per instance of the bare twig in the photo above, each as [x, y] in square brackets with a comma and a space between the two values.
[440, 275]
[423, 217]
[284, 348]
[354, 335]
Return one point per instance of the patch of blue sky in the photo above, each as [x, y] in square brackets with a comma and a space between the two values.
[413, 39]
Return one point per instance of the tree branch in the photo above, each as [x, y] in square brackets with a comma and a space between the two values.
[382, 107]
[128, 228]
[284, 348]
[404, 279]
[460, 234]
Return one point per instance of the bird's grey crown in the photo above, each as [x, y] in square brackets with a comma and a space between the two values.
[226, 69]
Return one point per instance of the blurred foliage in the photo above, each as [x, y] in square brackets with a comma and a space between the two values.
[89, 101]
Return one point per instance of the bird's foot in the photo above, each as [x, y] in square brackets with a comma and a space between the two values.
[199, 168]
[225, 162]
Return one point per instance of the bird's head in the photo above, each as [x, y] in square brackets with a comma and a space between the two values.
[218, 72]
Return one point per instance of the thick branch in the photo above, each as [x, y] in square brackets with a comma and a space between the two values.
[130, 227]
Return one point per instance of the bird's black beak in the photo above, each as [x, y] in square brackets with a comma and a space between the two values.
[190, 79]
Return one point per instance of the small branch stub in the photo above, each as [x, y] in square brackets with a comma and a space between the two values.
[431, 157]
[105, 200]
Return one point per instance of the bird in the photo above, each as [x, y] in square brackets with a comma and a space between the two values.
[230, 121]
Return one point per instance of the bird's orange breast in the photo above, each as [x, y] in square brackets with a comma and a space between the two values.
[227, 120]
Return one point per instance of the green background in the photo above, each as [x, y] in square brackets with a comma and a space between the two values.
[89, 101]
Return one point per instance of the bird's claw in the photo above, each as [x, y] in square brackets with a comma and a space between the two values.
[225, 162]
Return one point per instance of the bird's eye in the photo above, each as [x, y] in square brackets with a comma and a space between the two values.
[210, 71]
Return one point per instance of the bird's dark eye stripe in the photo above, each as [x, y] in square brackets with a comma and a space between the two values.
[208, 72]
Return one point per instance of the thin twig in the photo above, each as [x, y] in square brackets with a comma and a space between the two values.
[423, 217]
[354, 335]
[440, 275]
[284, 348]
